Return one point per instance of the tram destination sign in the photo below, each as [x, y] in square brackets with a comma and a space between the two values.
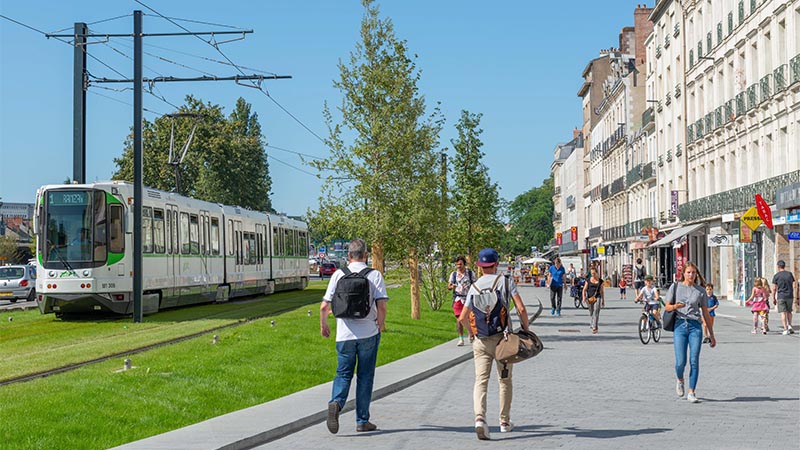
[67, 198]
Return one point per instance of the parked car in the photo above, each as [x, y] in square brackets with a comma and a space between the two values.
[327, 268]
[17, 282]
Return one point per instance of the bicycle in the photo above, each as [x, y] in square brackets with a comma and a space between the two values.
[649, 326]
[576, 292]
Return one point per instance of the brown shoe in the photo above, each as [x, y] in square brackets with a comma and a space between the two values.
[333, 417]
[369, 426]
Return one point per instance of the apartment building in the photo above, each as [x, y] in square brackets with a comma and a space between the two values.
[568, 200]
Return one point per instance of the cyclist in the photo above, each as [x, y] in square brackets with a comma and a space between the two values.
[649, 296]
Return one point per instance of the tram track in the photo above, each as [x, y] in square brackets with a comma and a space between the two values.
[144, 348]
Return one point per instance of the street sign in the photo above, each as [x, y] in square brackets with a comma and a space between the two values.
[320, 255]
[793, 218]
[322, 249]
[752, 219]
[764, 211]
[794, 236]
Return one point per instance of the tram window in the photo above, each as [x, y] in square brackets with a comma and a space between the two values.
[265, 245]
[238, 247]
[229, 237]
[169, 232]
[193, 234]
[203, 231]
[288, 242]
[214, 236]
[275, 249]
[158, 230]
[175, 241]
[185, 246]
[253, 250]
[147, 229]
[260, 248]
[116, 234]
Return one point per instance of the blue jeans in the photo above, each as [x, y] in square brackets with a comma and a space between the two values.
[688, 332]
[365, 352]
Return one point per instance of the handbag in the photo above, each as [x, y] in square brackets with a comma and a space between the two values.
[593, 299]
[518, 346]
[668, 318]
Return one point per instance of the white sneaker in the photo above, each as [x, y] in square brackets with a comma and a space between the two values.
[506, 427]
[460, 342]
[482, 430]
[786, 332]
[692, 398]
[679, 388]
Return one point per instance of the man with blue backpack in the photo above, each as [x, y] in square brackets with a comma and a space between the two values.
[356, 296]
[486, 314]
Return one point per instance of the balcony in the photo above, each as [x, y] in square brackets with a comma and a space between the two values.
[668, 100]
[740, 104]
[634, 175]
[660, 161]
[752, 96]
[604, 193]
[618, 186]
[709, 122]
[728, 111]
[658, 51]
[698, 129]
[677, 29]
[647, 172]
[595, 232]
[557, 190]
[648, 117]
[678, 150]
[666, 41]
[753, 6]
[677, 90]
[718, 118]
[659, 106]
[766, 87]
[719, 33]
[794, 70]
[669, 155]
[570, 202]
[636, 228]
[736, 200]
[690, 133]
[779, 75]
[556, 216]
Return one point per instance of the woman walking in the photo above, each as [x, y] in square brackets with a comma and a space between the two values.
[593, 296]
[690, 302]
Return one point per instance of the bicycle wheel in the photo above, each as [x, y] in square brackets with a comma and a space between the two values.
[655, 329]
[579, 302]
[644, 329]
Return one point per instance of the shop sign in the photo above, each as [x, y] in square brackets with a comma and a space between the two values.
[763, 211]
[788, 197]
[673, 207]
[720, 240]
[558, 238]
[601, 250]
[793, 218]
[573, 231]
[794, 236]
[751, 218]
[745, 234]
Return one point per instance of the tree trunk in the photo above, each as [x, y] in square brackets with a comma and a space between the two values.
[377, 257]
[413, 272]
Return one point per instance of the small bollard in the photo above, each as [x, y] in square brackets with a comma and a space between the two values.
[127, 364]
[215, 340]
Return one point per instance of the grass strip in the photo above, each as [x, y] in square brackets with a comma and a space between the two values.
[96, 407]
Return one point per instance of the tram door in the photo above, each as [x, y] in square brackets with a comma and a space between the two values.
[173, 262]
[205, 251]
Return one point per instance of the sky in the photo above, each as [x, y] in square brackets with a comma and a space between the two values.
[518, 63]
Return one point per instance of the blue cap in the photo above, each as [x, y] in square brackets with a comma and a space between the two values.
[487, 257]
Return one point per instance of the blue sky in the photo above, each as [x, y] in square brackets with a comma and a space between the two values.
[518, 63]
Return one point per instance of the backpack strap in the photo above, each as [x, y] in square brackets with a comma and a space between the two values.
[365, 271]
[345, 271]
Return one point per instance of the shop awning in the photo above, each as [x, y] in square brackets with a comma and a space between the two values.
[676, 234]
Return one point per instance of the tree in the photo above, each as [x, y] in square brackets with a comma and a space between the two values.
[226, 162]
[386, 186]
[476, 202]
[531, 219]
[8, 250]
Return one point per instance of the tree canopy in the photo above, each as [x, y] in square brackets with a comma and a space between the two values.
[530, 219]
[225, 163]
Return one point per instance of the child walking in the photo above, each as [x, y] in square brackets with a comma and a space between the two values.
[622, 288]
[758, 305]
[713, 304]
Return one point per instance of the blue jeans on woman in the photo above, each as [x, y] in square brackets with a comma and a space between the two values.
[365, 353]
[688, 333]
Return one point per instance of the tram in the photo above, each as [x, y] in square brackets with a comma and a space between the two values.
[193, 251]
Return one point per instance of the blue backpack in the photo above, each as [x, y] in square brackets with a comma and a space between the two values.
[489, 314]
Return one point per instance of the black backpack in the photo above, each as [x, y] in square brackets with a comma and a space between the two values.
[351, 297]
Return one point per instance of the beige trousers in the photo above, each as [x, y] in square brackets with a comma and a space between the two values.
[483, 355]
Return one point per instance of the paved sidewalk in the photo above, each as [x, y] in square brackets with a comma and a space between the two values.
[604, 391]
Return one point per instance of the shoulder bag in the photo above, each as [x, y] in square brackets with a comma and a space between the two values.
[668, 318]
[593, 299]
[517, 346]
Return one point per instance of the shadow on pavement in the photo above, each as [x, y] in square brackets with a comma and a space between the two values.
[530, 431]
[754, 399]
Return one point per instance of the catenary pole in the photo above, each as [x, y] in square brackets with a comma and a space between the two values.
[138, 190]
[79, 105]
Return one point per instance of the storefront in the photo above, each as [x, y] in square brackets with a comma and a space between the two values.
[673, 252]
[787, 228]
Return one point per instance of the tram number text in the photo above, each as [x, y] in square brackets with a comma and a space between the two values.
[108, 285]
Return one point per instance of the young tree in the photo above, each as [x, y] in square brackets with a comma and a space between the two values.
[531, 219]
[385, 183]
[476, 202]
[225, 163]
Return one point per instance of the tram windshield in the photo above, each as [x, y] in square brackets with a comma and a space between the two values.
[74, 229]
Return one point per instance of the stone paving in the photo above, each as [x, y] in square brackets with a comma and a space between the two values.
[604, 391]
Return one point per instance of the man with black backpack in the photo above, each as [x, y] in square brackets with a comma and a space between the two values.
[486, 314]
[356, 296]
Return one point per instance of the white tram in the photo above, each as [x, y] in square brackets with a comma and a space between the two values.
[193, 251]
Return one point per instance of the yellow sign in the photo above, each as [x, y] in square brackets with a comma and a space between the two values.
[752, 219]
[601, 250]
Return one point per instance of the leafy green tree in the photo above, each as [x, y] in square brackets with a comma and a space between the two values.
[226, 161]
[476, 203]
[8, 250]
[386, 186]
[531, 219]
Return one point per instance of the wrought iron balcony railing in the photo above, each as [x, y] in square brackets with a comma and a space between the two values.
[634, 175]
[779, 75]
[728, 111]
[698, 129]
[595, 232]
[752, 96]
[741, 106]
[618, 186]
[660, 161]
[718, 118]
[647, 171]
[666, 41]
[738, 199]
[669, 155]
[794, 70]
[677, 29]
[677, 90]
[678, 151]
[709, 122]
[690, 133]
[604, 192]
[766, 87]
[648, 117]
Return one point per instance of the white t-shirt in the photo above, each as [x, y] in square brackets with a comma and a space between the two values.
[351, 329]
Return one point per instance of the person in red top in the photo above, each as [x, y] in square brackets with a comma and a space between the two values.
[622, 288]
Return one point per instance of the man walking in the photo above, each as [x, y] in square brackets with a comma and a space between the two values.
[639, 273]
[783, 295]
[555, 279]
[357, 339]
[486, 314]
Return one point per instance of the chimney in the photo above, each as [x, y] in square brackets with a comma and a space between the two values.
[642, 29]
[576, 132]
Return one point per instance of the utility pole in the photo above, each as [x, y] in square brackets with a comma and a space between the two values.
[79, 122]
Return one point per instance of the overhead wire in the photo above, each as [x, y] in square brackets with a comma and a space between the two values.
[292, 166]
[155, 113]
[265, 72]
[295, 152]
[93, 23]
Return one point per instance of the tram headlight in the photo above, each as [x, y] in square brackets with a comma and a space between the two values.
[86, 273]
[51, 274]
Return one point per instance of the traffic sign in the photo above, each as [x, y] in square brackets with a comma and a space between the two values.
[322, 249]
[752, 219]
[764, 211]
[794, 236]
[320, 255]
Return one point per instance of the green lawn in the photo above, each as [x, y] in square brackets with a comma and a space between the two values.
[171, 387]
